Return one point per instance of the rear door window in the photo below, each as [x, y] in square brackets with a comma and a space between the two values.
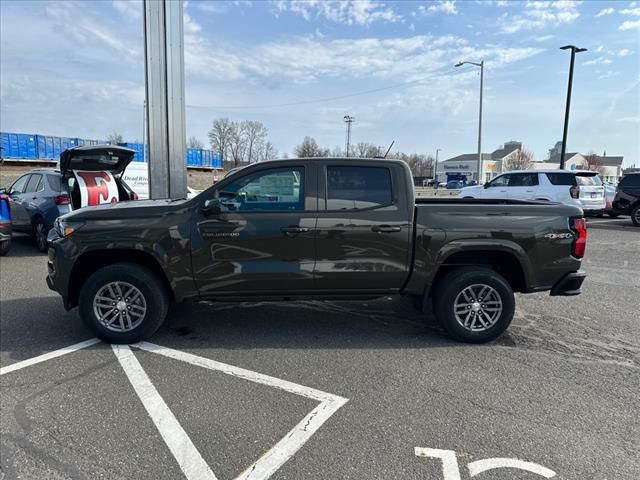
[54, 182]
[523, 180]
[561, 178]
[358, 187]
[34, 183]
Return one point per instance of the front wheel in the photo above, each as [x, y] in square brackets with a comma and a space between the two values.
[635, 215]
[474, 304]
[123, 303]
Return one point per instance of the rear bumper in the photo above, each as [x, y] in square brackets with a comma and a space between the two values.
[569, 284]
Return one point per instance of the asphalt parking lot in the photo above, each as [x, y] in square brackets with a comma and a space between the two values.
[327, 389]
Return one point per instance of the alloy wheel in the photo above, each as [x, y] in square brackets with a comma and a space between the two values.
[478, 307]
[119, 306]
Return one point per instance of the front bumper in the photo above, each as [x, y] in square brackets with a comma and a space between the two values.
[569, 284]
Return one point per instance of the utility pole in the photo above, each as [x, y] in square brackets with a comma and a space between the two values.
[348, 120]
[481, 65]
[435, 169]
[574, 50]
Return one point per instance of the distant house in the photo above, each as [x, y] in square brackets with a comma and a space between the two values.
[610, 167]
[465, 166]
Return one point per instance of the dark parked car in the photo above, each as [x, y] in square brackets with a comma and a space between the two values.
[313, 228]
[36, 199]
[5, 225]
[455, 184]
[627, 199]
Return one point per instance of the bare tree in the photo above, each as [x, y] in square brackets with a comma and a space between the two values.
[520, 159]
[265, 151]
[194, 142]
[366, 150]
[593, 162]
[237, 143]
[254, 133]
[309, 148]
[220, 135]
[115, 138]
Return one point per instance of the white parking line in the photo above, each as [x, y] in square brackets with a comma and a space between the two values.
[282, 451]
[185, 452]
[48, 356]
[479, 466]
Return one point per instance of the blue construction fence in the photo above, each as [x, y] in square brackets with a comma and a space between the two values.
[41, 147]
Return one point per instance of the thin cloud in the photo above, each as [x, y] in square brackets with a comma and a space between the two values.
[351, 12]
[629, 25]
[605, 11]
[538, 15]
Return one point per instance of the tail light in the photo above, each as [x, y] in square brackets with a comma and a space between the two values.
[579, 227]
[574, 191]
[134, 196]
[62, 200]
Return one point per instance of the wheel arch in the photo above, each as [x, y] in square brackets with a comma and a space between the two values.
[91, 261]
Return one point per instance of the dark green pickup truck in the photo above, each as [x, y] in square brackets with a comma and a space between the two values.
[310, 228]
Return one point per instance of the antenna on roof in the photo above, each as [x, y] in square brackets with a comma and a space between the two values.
[389, 149]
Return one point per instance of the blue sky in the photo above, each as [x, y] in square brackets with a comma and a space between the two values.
[76, 69]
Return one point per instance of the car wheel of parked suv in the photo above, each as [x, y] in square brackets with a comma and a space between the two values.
[5, 247]
[635, 215]
[474, 304]
[40, 233]
[123, 303]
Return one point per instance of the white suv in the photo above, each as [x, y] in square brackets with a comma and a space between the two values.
[581, 188]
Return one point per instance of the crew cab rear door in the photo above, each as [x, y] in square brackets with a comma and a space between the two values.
[364, 227]
[91, 174]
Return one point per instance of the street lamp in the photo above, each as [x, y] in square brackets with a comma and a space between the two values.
[574, 50]
[481, 65]
[435, 169]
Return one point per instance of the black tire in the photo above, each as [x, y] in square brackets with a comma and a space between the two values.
[635, 215]
[453, 284]
[149, 286]
[40, 233]
[599, 214]
[5, 247]
[613, 214]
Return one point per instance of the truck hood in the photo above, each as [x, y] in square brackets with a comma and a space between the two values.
[126, 210]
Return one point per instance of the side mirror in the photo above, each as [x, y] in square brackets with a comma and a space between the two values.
[486, 185]
[211, 207]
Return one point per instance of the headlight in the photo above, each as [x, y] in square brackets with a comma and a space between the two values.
[66, 227]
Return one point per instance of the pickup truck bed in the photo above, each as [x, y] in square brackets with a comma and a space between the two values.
[314, 228]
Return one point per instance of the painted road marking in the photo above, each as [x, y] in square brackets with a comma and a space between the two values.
[282, 451]
[179, 443]
[48, 356]
[451, 470]
[480, 466]
[184, 451]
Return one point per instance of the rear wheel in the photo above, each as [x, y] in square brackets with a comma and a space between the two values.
[613, 214]
[123, 303]
[40, 233]
[635, 215]
[474, 304]
[4, 247]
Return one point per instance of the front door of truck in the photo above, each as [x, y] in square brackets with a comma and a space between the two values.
[17, 193]
[259, 235]
[364, 228]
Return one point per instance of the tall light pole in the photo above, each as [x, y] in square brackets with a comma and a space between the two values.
[348, 120]
[435, 169]
[481, 65]
[574, 50]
